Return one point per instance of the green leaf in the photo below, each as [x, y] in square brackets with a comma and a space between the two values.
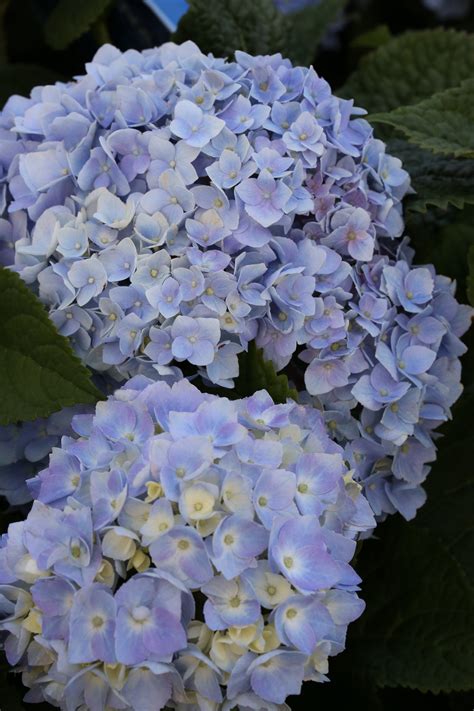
[438, 180]
[259, 374]
[307, 28]
[442, 124]
[70, 19]
[223, 26]
[21, 78]
[470, 280]
[373, 39]
[418, 627]
[39, 372]
[411, 67]
[418, 580]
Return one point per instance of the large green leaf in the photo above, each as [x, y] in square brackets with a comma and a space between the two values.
[307, 28]
[418, 628]
[70, 19]
[373, 38]
[39, 372]
[410, 68]
[258, 374]
[418, 580]
[223, 26]
[438, 180]
[442, 124]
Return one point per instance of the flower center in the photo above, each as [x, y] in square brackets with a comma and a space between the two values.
[97, 622]
[141, 613]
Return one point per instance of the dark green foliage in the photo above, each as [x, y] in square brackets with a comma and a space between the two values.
[21, 78]
[223, 26]
[259, 374]
[439, 181]
[307, 28]
[70, 19]
[39, 372]
[373, 39]
[255, 26]
[410, 68]
[442, 124]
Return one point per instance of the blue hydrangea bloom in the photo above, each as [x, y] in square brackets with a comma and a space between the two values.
[131, 178]
[183, 550]
[170, 207]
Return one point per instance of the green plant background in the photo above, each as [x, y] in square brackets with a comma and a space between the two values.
[414, 645]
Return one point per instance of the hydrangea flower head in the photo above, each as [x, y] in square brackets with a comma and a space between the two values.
[188, 545]
[123, 185]
[170, 207]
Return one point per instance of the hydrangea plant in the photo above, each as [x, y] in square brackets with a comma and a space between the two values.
[183, 549]
[170, 207]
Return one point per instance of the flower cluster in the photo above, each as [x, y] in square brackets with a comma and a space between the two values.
[170, 207]
[159, 205]
[184, 549]
[386, 372]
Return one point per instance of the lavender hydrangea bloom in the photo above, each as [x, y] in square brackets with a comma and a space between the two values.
[169, 208]
[168, 497]
[139, 182]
